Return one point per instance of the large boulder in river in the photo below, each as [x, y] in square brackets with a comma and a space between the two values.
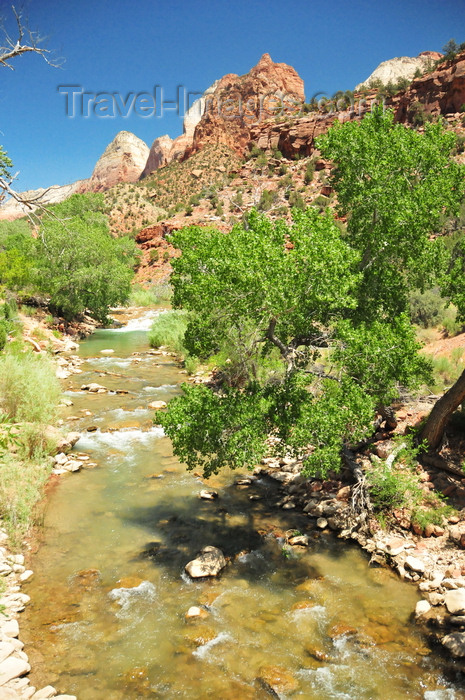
[209, 563]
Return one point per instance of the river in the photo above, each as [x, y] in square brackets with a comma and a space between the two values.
[109, 595]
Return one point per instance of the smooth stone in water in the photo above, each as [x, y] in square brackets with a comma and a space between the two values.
[157, 405]
[108, 351]
[455, 643]
[322, 523]
[208, 495]
[422, 607]
[209, 563]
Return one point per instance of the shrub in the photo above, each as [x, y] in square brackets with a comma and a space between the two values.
[154, 254]
[309, 172]
[142, 296]
[168, 329]
[426, 308]
[21, 487]
[29, 389]
[266, 200]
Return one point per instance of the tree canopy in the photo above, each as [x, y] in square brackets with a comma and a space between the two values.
[312, 325]
[73, 261]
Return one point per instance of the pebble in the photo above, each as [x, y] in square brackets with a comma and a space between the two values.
[322, 523]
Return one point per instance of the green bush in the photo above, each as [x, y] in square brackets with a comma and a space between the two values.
[309, 172]
[151, 296]
[3, 334]
[21, 487]
[426, 308]
[168, 329]
[29, 389]
[154, 254]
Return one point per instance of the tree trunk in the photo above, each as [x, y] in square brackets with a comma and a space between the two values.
[433, 430]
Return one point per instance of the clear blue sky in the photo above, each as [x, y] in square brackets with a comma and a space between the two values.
[131, 46]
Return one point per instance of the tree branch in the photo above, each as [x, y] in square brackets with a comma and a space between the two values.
[26, 41]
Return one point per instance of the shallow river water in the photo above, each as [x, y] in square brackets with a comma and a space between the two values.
[109, 594]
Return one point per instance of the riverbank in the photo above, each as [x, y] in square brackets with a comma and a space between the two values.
[124, 414]
[30, 477]
[432, 558]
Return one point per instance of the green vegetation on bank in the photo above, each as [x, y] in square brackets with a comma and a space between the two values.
[72, 262]
[29, 395]
[333, 304]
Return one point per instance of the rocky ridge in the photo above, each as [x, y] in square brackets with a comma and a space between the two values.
[122, 161]
[402, 67]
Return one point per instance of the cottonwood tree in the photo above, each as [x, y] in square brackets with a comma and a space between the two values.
[396, 186]
[313, 326]
[279, 304]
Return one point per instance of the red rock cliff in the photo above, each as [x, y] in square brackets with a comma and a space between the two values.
[239, 101]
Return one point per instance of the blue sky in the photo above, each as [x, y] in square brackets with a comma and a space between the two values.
[131, 46]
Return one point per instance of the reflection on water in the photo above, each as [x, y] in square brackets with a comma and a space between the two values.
[109, 596]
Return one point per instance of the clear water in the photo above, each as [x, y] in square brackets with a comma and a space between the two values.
[109, 595]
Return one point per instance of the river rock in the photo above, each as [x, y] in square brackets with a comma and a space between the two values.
[455, 601]
[422, 607]
[94, 388]
[196, 612]
[157, 405]
[455, 643]
[322, 523]
[12, 667]
[10, 628]
[299, 540]
[107, 351]
[278, 678]
[208, 495]
[44, 693]
[210, 562]
[414, 564]
[6, 648]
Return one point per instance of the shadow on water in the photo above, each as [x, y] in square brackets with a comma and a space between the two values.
[242, 528]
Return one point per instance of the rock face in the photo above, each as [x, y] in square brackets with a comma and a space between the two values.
[43, 196]
[403, 67]
[237, 101]
[159, 155]
[164, 149]
[122, 161]
[209, 563]
[294, 138]
[440, 92]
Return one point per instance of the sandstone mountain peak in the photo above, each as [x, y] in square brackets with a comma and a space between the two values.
[400, 67]
[122, 161]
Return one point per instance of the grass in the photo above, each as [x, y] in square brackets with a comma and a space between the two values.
[21, 488]
[29, 395]
[399, 486]
[152, 296]
[447, 370]
[168, 330]
[29, 389]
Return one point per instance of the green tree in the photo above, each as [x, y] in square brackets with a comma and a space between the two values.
[77, 263]
[283, 297]
[396, 186]
[295, 295]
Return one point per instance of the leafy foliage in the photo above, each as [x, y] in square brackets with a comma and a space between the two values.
[394, 185]
[74, 261]
[312, 291]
